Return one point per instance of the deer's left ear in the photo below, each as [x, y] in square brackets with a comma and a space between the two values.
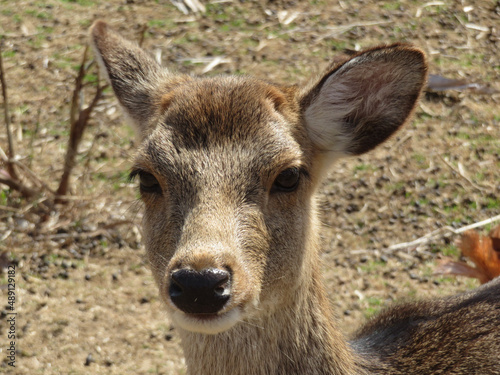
[358, 104]
[141, 85]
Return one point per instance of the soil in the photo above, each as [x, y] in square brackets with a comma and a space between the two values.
[85, 299]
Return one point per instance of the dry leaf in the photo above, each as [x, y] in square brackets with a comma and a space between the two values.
[450, 267]
[483, 251]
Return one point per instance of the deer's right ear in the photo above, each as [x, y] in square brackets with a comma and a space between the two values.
[134, 76]
[361, 102]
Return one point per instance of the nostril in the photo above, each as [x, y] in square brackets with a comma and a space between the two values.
[198, 292]
[220, 290]
[175, 288]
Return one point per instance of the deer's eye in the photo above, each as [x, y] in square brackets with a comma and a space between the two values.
[287, 181]
[148, 183]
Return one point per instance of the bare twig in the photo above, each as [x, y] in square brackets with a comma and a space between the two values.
[77, 129]
[211, 62]
[142, 34]
[6, 235]
[37, 202]
[78, 119]
[428, 4]
[16, 185]
[472, 183]
[408, 136]
[10, 209]
[186, 6]
[85, 235]
[75, 107]
[335, 31]
[445, 231]
[78, 126]
[478, 224]
[33, 177]
[103, 231]
[11, 151]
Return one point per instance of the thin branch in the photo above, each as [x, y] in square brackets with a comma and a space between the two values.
[11, 151]
[103, 231]
[335, 31]
[75, 107]
[478, 224]
[16, 185]
[472, 183]
[446, 231]
[10, 209]
[77, 129]
[142, 34]
[31, 175]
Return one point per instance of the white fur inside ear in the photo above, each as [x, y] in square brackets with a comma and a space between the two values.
[364, 101]
[136, 78]
[325, 117]
[104, 73]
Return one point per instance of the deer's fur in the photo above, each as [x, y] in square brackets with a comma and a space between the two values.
[212, 159]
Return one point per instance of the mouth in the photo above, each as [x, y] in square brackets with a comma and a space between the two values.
[210, 324]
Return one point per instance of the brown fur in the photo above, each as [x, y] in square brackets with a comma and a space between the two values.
[210, 155]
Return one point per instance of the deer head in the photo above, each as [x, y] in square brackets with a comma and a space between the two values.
[228, 168]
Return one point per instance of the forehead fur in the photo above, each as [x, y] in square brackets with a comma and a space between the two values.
[212, 111]
[232, 120]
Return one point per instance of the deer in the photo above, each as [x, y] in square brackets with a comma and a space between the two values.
[228, 169]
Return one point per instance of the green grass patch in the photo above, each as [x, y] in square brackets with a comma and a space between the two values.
[38, 14]
[17, 18]
[420, 202]
[364, 167]
[188, 38]
[7, 12]
[421, 160]
[335, 44]
[374, 307]
[85, 3]
[493, 204]
[393, 5]
[8, 54]
[4, 197]
[372, 265]
[451, 251]
[480, 176]
[446, 279]
[90, 78]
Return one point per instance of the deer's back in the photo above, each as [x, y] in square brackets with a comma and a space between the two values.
[453, 335]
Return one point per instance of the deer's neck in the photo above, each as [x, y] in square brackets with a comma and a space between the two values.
[297, 339]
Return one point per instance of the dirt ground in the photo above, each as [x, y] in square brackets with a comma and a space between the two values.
[85, 299]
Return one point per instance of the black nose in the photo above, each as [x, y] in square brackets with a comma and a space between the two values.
[200, 292]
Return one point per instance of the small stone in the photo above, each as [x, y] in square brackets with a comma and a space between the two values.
[89, 360]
